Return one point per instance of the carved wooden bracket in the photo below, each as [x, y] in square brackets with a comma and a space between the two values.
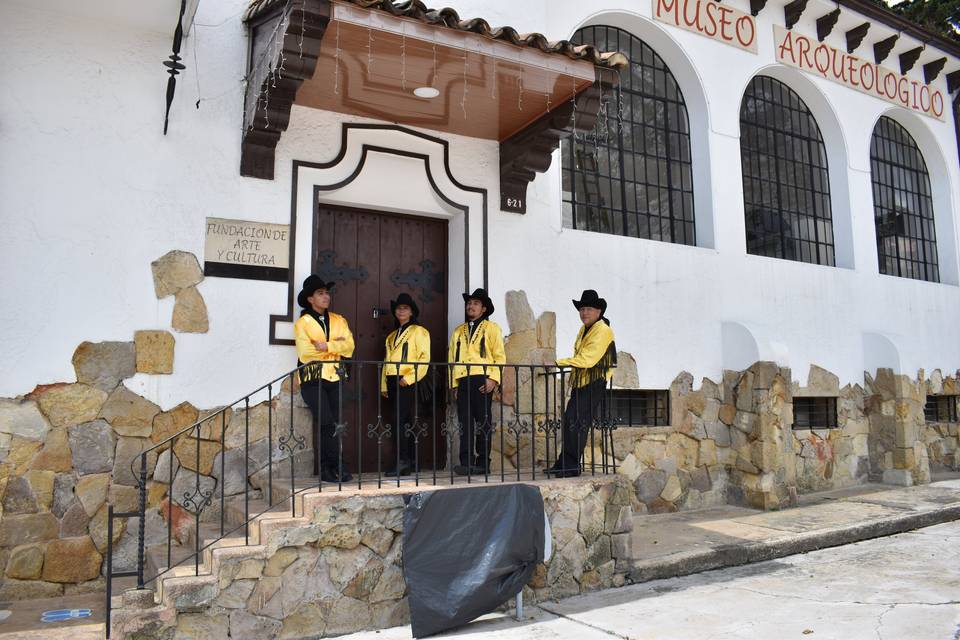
[826, 23]
[286, 45]
[530, 151]
[909, 58]
[756, 6]
[856, 35]
[883, 48]
[953, 81]
[792, 12]
[932, 69]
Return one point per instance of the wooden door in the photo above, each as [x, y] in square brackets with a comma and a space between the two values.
[373, 257]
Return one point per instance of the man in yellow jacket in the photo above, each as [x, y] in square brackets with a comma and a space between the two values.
[593, 361]
[476, 356]
[408, 343]
[322, 338]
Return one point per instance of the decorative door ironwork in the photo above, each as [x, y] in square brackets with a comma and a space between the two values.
[428, 280]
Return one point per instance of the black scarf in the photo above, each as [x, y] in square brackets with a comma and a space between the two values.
[322, 319]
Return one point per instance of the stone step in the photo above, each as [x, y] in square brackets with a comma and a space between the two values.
[237, 514]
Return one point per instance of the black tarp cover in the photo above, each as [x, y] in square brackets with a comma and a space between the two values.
[467, 551]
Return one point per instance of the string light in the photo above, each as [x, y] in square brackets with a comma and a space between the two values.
[283, 58]
[303, 28]
[493, 87]
[403, 60]
[336, 62]
[620, 108]
[196, 67]
[263, 96]
[520, 90]
[433, 79]
[573, 100]
[463, 98]
[369, 52]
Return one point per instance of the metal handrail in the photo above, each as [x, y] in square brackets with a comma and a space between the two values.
[548, 392]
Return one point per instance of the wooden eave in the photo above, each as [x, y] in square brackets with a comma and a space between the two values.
[366, 57]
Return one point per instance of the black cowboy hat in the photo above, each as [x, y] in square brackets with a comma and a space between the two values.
[589, 298]
[404, 298]
[310, 285]
[481, 295]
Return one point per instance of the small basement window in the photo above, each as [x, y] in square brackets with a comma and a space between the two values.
[941, 409]
[814, 413]
[641, 407]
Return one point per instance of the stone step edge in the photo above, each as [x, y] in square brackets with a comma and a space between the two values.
[212, 555]
[266, 527]
[255, 535]
[749, 552]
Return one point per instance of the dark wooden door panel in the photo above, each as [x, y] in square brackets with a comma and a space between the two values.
[373, 257]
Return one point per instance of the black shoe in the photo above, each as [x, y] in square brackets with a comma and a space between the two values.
[332, 475]
[472, 470]
[405, 469]
[558, 472]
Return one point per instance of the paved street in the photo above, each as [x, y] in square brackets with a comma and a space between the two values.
[904, 587]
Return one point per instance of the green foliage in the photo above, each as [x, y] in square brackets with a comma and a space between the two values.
[939, 16]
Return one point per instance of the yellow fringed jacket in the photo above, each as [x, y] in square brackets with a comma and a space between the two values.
[306, 331]
[485, 347]
[411, 345]
[591, 359]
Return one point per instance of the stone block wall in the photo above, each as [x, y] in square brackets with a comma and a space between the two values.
[66, 451]
[894, 404]
[832, 458]
[66, 448]
[941, 439]
[733, 441]
[340, 569]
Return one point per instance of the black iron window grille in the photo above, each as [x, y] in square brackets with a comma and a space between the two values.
[941, 409]
[641, 407]
[902, 205]
[814, 413]
[786, 186]
[632, 176]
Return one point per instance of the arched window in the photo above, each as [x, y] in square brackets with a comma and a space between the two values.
[786, 189]
[633, 175]
[902, 205]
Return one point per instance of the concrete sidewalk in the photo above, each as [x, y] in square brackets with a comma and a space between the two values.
[664, 546]
[678, 544]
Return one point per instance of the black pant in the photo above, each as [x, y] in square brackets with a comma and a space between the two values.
[400, 408]
[584, 405]
[474, 413]
[323, 398]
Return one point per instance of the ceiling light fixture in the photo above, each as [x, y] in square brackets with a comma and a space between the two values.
[426, 92]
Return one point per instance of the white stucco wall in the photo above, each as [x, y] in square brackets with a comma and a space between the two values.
[91, 192]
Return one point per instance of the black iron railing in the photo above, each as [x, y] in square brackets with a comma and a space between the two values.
[515, 436]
